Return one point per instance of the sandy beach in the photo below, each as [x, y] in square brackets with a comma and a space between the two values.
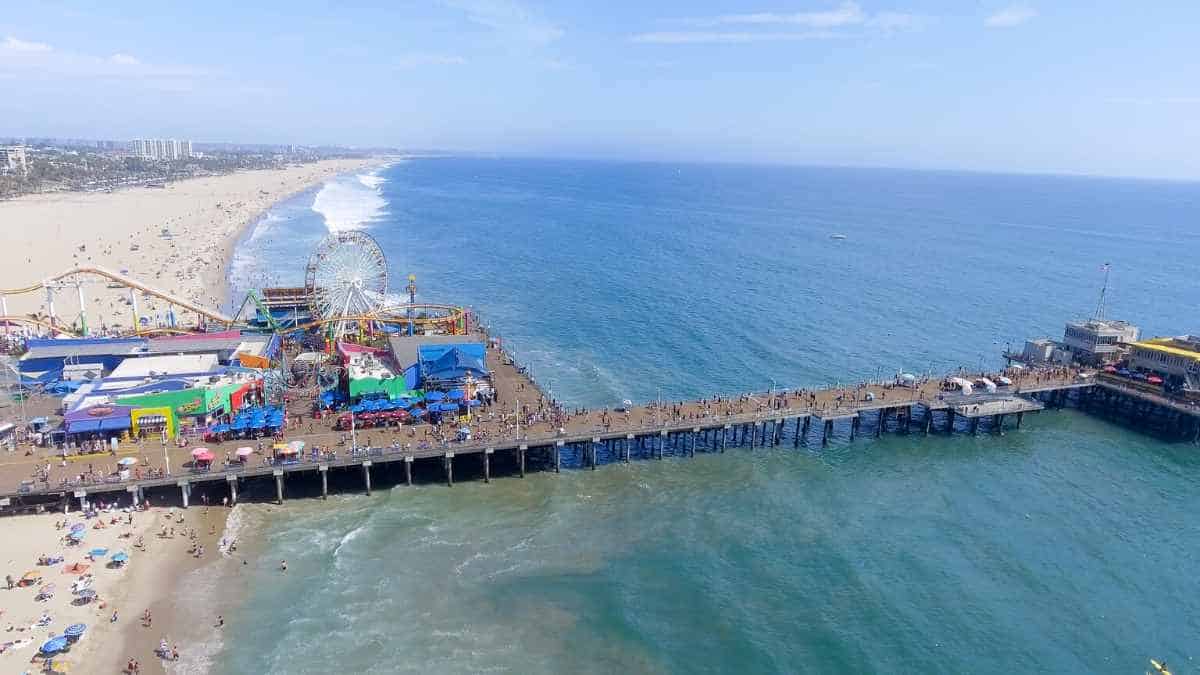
[41, 605]
[44, 235]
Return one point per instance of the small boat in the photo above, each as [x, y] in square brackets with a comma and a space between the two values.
[838, 236]
[1160, 667]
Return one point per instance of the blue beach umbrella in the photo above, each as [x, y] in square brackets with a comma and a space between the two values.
[54, 645]
[416, 412]
[435, 396]
[75, 630]
[120, 557]
[473, 403]
[78, 526]
[456, 394]
[98, 552]
[76, 534]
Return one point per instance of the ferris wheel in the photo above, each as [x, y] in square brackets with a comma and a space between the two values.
[346, 277]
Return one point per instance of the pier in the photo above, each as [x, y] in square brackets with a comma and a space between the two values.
[809, 418]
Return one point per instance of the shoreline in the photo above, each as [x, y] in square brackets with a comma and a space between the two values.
[164, 576]
[179, 239]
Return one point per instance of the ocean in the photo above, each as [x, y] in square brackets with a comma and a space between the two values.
[1069, 545]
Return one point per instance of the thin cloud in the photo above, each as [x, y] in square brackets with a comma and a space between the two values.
[725, 37]
[894, 22]
[409, 61]
[13, 44]
[39, 60]
[1013, 15]
[845, 14]
[509, 18]
[844, 20]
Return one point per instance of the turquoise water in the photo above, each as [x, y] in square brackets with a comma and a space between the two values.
[1067, 546]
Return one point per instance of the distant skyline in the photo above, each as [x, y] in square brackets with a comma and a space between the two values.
[1105, 87]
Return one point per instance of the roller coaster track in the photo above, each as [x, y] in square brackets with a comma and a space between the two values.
[40, 324]
[128, 282]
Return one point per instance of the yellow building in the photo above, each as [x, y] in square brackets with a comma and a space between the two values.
[1177, 359]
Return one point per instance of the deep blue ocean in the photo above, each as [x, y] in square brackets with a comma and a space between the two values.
[1070, 545]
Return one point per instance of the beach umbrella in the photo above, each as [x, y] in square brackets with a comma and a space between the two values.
[31, 575]
[435, 396]
[205, 456]
[199, 451]
[75, 630]
[240, 424]
[76, 535]
[98, 552]
[127, 461]
[120, 557]
[219, 428]
[473, 403]
[417, 412]
[55, 645]
[78, 526]
[456, 395]
[87, 594]
[245, 452]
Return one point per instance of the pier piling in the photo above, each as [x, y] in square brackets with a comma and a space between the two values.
[449, 469]
[366, 466]
[487, 464]
[558, 456]
[185, 490]
[521, 457]
[278, 486]
[230, 480]
[323, 469]
[408, 470]
[826, 429]
[592, 453]
[625, 448]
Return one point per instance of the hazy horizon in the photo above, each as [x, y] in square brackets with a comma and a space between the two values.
[1069, 88]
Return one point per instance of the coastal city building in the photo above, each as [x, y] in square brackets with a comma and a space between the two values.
[1176, 359]
[13, 159]
[1097, 342]
[161, 148]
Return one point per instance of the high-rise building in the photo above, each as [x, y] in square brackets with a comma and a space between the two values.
[161, 148]
[13, 160]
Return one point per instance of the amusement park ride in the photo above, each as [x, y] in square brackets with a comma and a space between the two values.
[344, 297]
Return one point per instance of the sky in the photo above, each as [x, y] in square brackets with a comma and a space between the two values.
[1107, 87]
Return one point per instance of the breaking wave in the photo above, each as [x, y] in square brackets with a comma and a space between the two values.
[351, 202]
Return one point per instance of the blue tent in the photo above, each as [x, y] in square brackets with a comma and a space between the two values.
[454, 364]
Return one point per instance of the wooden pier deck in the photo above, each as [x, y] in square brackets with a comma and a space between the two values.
[523, 427]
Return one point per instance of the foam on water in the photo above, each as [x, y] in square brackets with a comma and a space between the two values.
[350, 202]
